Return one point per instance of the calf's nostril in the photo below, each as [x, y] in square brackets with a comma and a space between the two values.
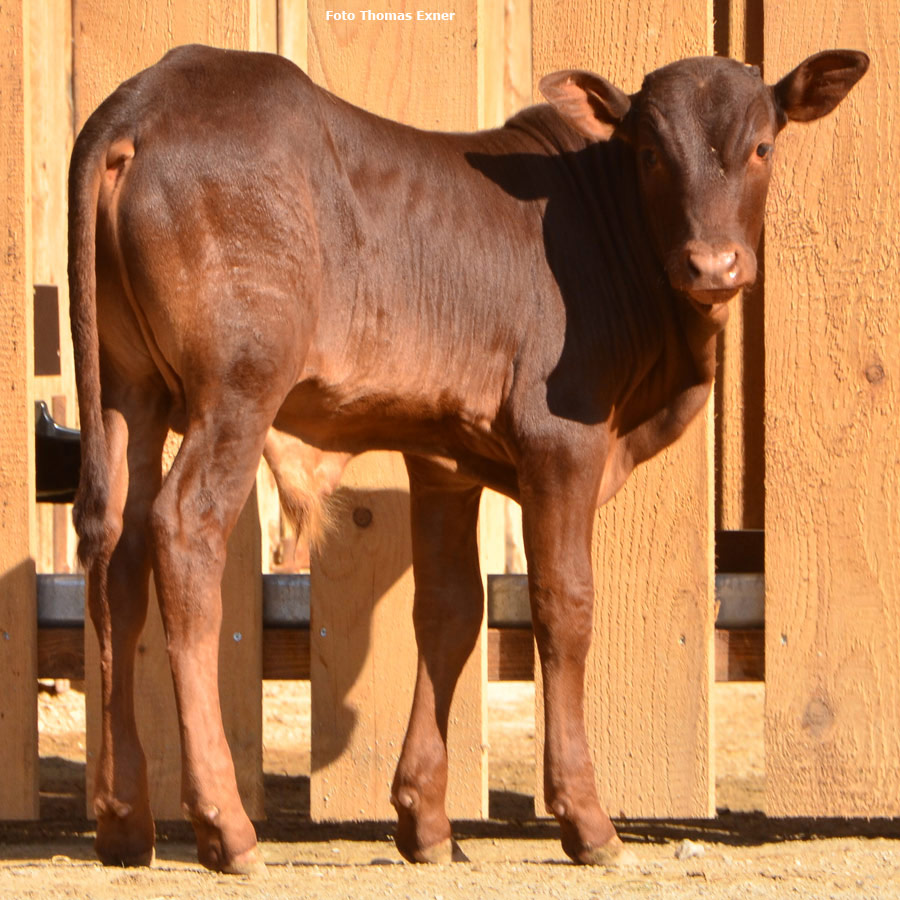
[694, 266]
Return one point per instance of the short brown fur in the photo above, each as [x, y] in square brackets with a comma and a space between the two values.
[532, 308]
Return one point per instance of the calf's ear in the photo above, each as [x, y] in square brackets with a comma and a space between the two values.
[589, 103]
[818, 84]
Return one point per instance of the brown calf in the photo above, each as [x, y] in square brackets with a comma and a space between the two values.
[532, 308]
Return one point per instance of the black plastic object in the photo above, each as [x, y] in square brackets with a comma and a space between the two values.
[57, 458]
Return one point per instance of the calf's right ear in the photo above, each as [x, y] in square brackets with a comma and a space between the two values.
[818, 84]
[589, 103]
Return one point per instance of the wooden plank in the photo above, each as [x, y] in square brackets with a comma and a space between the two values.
[62, 538]
[240, 656]
[286, 654]
[363, 666]
[240, 683]
[113, 41]
[52, 134]
[510, 654]
[292, 31]
[117, 39]
[264, 25]
[362, 646]
[740, 386]
[420, 73]
[18, 603]
[647, 704]
[833, 430]
[363, 658]
[60, 653]
[740, 655]
[517, 69]
[491, 63]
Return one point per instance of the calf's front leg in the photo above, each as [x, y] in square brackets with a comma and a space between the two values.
[447, 614]
[557, 520]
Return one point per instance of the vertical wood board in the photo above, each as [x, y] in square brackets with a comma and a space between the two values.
[420, 73]
[114, 40]
[833, 439]
[52, 134]
[240, 684]
[18, 613]
[739, 400]
[647, 705]
[362, 646]
[293, 31]
[363, 654]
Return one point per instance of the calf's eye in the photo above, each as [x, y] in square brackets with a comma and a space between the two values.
[649, 158]
[764, 150]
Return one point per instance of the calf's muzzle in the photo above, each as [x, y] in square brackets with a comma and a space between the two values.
[713, 273]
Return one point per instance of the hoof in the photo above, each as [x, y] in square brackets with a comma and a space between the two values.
[250, 863]
[226, 844]
[613, 854]
[126, 861]
[124, 837]
[447, 851]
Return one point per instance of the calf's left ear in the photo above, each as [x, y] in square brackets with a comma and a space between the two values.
[589, 103]
[818, 84]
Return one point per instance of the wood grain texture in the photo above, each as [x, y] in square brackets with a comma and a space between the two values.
[491, 57]
[740, 655]
[740, 377]
[833, 430]
[113, 40]
[362, 646]
[52, 134]
[363, 667]
[293, 31]
[651, 664]
[18, 612]
[240, 684]
[116, 39]
[517, 68]
[264, 25]
[504, 59]
[420, 73]
[620, 42]
[363, 658]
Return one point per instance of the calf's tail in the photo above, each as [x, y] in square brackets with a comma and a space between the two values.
[92, 498]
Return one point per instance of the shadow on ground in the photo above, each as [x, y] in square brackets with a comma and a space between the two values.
[511, 816]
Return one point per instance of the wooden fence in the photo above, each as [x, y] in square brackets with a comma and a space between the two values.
[802, 440]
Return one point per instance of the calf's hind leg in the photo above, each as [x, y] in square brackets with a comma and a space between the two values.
[117, 602]
[192, 518]
[447, 613]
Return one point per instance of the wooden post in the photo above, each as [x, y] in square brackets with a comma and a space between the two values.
[114, 39]
[739, 400]
[52, 134]
[363, 655]
[293, 31]
[18, 605]
[651, 664]
[833, 429]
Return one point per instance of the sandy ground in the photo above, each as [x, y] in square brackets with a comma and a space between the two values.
[738, 854]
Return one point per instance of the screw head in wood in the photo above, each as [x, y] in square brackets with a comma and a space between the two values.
[362, 516]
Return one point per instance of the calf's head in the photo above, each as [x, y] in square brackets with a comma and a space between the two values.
[703, 133]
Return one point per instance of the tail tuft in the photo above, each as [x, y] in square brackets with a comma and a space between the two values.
[305, 478]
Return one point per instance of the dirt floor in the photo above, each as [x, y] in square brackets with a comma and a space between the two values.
[738, 854]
